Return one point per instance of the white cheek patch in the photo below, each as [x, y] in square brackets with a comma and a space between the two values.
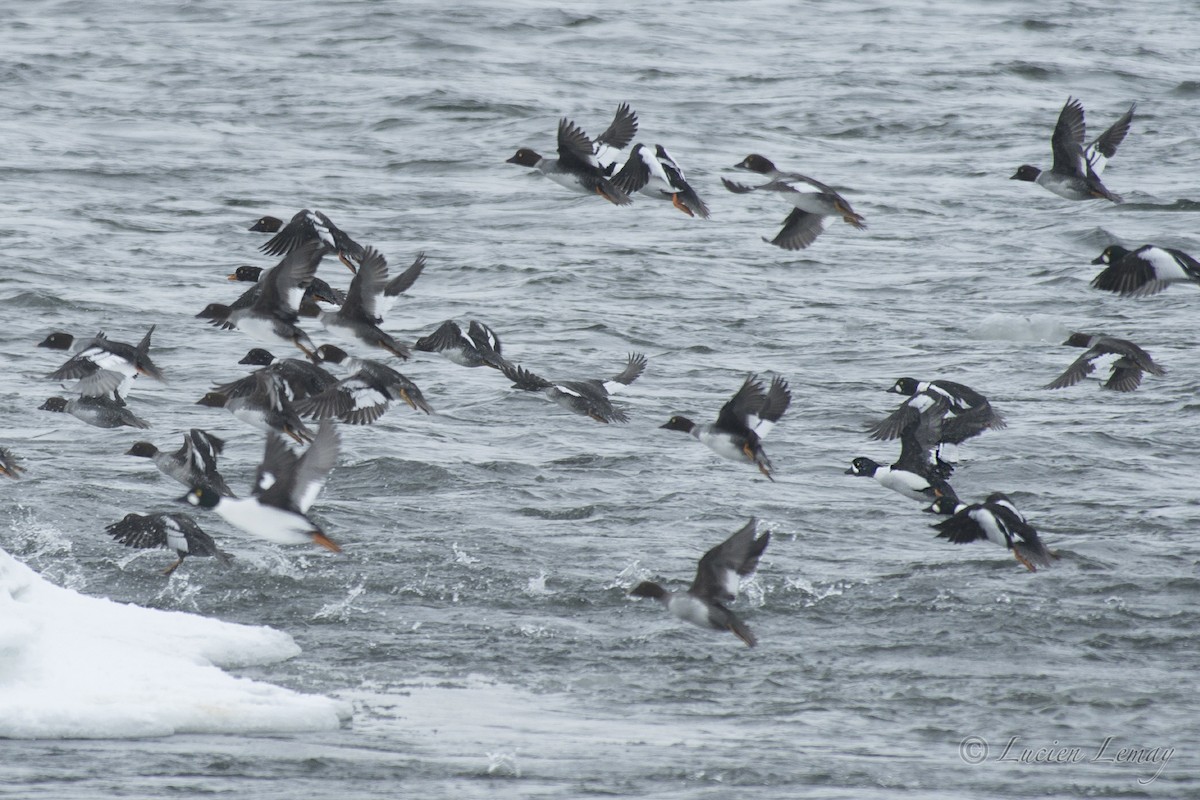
[266, 481]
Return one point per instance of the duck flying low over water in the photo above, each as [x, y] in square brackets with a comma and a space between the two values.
[716, 583]
[578, 167]
[101, 366]
[478, 347]
[317, 291]
[807, 220]
[285, 487]
[313, 227]
[1145, 271]
[965, 414]
[660, 177]
[588, 397]
[743, 422]
[362, 397]
[1075, 171]
[261, 403]
[273, 315]
[193, 464]
[296, 378]
[178, 532]
[1126, 360]
[998, 521]
[358, 318]
[102, 412]
[915, 474]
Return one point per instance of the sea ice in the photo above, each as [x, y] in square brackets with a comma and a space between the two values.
[73, 666]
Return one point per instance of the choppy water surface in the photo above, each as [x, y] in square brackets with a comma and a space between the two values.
[478, 621]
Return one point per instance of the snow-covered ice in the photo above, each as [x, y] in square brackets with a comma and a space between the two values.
[73, 666]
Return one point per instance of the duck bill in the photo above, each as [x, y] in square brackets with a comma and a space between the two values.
[350, 266]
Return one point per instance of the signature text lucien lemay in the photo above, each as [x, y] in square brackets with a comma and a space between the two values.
[976, 750]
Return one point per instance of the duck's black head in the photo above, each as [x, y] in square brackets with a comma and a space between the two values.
[864, 467]
[215, 312]
[1079, 340]
[678, 423]
[143, 449]
[213, 400]
[330, 353]
[267, 225]
[1026, 172]
[201, 497]
[945, 505]
[246, 274]
[524, 157]
[1111, 255]
[257, 357]
[54, 404]
[57, 341]
[756, 163]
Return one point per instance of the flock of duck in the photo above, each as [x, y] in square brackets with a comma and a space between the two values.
[330, 383]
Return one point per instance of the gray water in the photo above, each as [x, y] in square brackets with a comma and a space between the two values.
[478, 621]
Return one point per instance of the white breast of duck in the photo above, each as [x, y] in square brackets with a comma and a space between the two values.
[689, 608]
[909, 484]
[266, 521]
[719, 442]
